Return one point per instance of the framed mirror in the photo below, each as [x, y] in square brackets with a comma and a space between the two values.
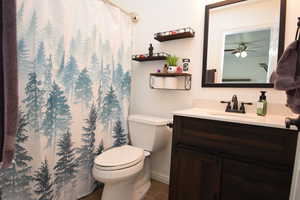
[243, 41]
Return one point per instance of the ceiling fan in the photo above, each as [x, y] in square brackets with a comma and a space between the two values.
[241, 51]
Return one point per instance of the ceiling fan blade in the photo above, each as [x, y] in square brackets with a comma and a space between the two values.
[229, 49]
[256, 48]
[255, 41]
[246, 43]
[234, 43]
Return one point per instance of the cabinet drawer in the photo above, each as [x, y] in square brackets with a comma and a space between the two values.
[250, 142]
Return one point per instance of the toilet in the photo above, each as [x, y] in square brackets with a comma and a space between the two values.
[126, 170]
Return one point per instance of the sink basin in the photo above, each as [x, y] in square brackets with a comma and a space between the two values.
[234, 115]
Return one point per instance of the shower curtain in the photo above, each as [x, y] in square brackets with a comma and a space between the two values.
[74, 61]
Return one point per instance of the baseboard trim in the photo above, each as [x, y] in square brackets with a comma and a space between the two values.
[160, 177]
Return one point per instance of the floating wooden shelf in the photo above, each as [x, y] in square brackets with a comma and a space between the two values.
[150, 58]
[170, 74]
[146, 57]
[175, 34]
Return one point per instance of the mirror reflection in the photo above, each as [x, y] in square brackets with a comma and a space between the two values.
[242, 42]
[246, 57]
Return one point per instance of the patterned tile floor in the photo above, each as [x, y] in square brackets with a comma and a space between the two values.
[158, 191]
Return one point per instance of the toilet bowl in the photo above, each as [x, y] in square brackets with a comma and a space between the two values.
[117, 168]
[125, 171]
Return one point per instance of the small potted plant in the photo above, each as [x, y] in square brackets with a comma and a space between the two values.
[172, 62]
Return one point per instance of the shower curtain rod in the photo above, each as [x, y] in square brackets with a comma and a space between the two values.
[132, 15]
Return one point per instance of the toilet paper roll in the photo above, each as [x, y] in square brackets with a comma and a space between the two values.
[171, 83]
[157, 82]
[181, 83]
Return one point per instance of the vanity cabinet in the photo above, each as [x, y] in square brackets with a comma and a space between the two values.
[216, 160]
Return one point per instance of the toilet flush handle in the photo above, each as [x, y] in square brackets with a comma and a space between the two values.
[170, 125]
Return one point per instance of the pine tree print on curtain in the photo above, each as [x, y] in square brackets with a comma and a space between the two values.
[87, 151]
[69, 76]
[83, 89]
[66, 166]
[40, 60]
[100, 149]
[126, 85]
[34, 101]
[16, 181]
[43, 182]
[60, 53]
[118, 78]
[59, 75]
[20, 15]
[47, 82]
[110, 112]
[31, 37]
[57, 116]
[24, 64]
[110, 109]
[105, 77]
[118, 134]
[48, 33]
[95, 68]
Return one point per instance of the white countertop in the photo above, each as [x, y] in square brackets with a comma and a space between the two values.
[275, 121]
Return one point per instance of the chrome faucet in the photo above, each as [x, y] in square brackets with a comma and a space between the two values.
[235, 108]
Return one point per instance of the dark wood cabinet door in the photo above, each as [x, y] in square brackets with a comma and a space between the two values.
[196, 176]
[242, 181]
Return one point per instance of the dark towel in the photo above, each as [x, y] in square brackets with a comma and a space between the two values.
[10, 73]
[287, 76]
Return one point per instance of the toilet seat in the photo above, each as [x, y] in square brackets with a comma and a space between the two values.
[119, 158]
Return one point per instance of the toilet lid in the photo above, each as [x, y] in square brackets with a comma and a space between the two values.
[156, 121]
[120, 157]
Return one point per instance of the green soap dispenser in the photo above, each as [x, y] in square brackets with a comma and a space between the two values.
[261, 107]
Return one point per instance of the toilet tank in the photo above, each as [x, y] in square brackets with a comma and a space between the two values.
[148, 132]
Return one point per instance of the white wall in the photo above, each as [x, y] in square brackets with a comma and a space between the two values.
[163, 15]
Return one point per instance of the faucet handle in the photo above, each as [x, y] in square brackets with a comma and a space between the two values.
[225, 101]
[228, 107]
[242, 108]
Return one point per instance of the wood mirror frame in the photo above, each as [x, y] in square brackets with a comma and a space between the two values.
[281, 44]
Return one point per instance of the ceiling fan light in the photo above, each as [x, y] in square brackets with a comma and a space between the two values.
[237, 54]
[244, 54]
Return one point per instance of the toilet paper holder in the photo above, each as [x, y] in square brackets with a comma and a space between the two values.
[184, 81]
